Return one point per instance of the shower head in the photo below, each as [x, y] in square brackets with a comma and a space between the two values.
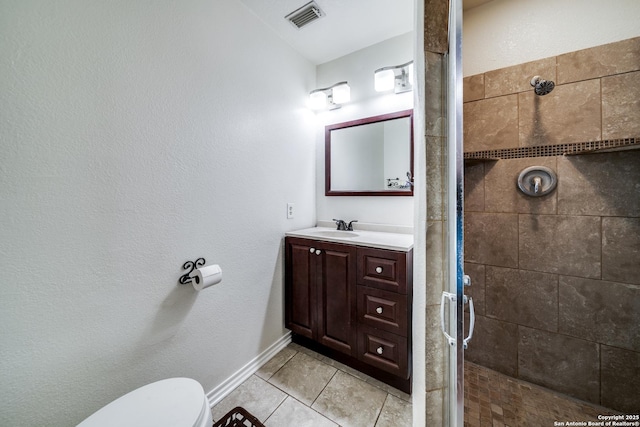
[541, 86]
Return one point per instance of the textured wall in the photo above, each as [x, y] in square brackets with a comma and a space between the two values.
[502, 33]
[136, 136]
[555, 278]
[357, 68]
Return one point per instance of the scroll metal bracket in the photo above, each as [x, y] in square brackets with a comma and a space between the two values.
[190, 265]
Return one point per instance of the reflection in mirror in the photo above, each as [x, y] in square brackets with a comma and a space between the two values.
[370, 157]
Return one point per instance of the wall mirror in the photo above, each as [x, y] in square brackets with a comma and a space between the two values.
[370, 157]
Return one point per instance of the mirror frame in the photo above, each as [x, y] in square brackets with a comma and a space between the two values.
[359, 122]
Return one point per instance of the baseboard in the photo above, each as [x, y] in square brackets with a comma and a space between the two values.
[228, 385]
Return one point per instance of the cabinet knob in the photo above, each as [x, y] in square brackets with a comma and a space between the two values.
[318, 251]
[378, 269]
[312, 250]
[379, 350]
[379, 310]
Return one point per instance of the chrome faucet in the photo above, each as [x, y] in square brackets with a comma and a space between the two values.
[342, 225]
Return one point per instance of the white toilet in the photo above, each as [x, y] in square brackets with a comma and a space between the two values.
[174, 402]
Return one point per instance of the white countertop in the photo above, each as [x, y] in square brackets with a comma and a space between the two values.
[374, 239]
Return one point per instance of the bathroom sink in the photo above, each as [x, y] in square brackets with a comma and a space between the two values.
[346, 234]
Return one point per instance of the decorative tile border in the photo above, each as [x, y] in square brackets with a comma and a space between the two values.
[554, 150]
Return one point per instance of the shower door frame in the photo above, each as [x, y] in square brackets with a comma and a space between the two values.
[455, 215]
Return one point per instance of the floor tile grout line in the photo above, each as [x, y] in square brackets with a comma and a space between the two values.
[314, 410]
[278, 406]
[380, 413]
[325, 386]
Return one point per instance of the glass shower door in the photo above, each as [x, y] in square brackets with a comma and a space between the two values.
[453, 299]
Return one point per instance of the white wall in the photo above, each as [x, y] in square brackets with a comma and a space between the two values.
[502, 33]
[136, 136]
[357, 68]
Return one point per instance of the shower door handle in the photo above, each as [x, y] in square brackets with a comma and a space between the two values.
[472, 322]
[451, 297]
[472, 318]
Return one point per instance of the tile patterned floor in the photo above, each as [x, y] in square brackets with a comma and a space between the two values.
[494, 400]
[300, 388]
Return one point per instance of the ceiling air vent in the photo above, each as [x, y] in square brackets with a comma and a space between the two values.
[305, 15]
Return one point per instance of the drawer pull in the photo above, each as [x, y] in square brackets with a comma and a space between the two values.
[379, 310]
[379, 350]
[318, 251]
[312, 250]
[378, 270]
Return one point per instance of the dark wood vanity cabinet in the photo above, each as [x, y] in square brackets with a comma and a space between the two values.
[320, 301]
[353, 304]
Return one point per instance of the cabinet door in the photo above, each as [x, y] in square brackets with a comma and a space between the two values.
[336, 297]
[300, 287]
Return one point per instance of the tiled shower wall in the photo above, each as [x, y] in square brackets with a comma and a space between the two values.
[556, 279]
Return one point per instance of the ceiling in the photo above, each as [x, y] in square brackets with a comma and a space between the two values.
[347, 26]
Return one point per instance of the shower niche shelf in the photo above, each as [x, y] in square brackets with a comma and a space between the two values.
[570, 149]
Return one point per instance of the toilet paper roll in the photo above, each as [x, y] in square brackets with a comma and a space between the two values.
[206, 276]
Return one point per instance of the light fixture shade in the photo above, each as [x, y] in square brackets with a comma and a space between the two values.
[384, 80]
[317, 100]
[341, 93]
[398, 78]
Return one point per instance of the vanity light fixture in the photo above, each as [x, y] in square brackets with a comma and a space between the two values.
[396, 77]
[330, 97]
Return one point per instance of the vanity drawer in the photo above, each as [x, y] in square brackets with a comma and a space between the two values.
[383, 350]
[383, 269]
[383, 310]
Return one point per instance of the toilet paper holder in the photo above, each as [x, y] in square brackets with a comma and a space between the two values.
[190, 265]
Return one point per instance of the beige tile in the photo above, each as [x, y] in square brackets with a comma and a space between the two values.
[491, 238]
[524, 297]
[620, 386]
[560, 244]
[395, 413]
[621, 249]
[473, 88]
[474, 191]
[568, 365]
[501, 189]
[436, 411]
[519, 403]
[349, 401]
[435, 122]
[599, 184]
[294, 414]
[621, 106]
[571, 113]
[494, 345]
[604, 312]
[599, 61]
[272, 366]
[303, 377]
[436, 350]
[476, 273]
[436, 26]
[491, 124]
[435, 261]
[255, 395]
[517, 78]
[435, 177]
